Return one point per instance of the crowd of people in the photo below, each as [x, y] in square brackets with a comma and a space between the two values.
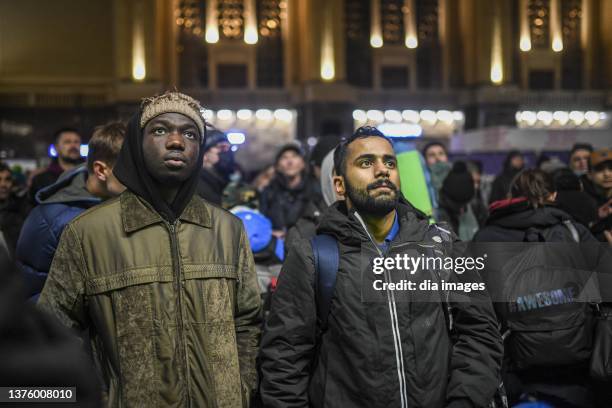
[159, 254]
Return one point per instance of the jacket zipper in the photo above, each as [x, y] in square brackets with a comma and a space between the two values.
[397, 340]
[176, 266]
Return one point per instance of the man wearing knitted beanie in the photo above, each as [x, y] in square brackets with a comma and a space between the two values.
[164, 281]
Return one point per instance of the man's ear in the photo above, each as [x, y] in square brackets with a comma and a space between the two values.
[339, 186]
[101, 170]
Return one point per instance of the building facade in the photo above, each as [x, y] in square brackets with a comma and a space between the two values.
[272, 70]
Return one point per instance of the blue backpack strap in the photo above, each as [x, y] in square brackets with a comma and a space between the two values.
[326, 260]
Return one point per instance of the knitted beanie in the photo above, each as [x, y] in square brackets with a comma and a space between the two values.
[172, 102]
[459, 185]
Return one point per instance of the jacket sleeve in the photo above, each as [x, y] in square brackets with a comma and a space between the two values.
[288, 343]
[63, 294]
[247, 317]
[35, 248]
[478, 347]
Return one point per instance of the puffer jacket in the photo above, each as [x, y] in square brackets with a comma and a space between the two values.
[375, 352]
[173, 309]
[57, 205]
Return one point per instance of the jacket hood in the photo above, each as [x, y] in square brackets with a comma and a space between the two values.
[69, 188]
[327, 181]
[341, 223]
[517, 213]
[131, 171]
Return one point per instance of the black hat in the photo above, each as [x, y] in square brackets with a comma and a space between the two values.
[325, 145]
[289, 147]
[459, 185]
[214, 137]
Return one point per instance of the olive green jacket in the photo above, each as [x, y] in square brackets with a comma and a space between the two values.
[173, 309]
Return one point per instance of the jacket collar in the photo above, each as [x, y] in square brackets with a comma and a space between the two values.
[137, 214]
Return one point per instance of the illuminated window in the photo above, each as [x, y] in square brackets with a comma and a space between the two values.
[231, 19]
[429, 52]
[270, 14]
[358, 50]
[392, 21]
[538, 14]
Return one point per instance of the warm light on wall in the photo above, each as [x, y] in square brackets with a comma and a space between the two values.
[555, 26]
[139, 71]
[525, 42]
[250, 25]
[328, 67]
[497, 64]
[212, 23]
[411, 39]
[376, 39]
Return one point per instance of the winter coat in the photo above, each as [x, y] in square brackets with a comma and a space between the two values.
[284, 206]
[373, 354]
[511, 220]
[58, 204]
[45, 179]
[172, 308]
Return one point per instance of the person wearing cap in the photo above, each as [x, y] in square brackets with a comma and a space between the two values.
[292, 191]
[513, 164]
[164, 281]
[217, 167]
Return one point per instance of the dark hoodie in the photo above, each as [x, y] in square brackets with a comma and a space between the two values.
[58, 203]
[130, 169]
[355, 362]
[501, 184]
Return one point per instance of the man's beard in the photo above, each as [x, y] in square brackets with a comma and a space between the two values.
[377, 206]
[73, 160]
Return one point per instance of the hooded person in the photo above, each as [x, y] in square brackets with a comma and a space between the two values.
[513, 164]
[306, 227]
[164, 281]
[217, 167]
[454, 206]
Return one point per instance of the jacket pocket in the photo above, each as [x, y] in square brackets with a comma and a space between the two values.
[127, 327]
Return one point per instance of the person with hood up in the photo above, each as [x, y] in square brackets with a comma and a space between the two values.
[454, 206]
[513, 164]
[218, 166]
[74, 192]
[306, 227]
[378, 353]
[163, 280]
[292, 193]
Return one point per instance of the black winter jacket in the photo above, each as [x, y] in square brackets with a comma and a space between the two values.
[364, 359]
[284, 206]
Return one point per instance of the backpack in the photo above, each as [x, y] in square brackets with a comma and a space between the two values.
[326, 261]
[545, 322]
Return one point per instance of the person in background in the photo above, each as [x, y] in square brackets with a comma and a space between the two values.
[530, 215]
[163, 280]
[572, 199]
[13, 209]
[58, 204]
[306, 227]
[293, 189]
[435, 152]
[319, 152]
[513, 164]
[217, 167]
[598, 184]
[453, 207]
[67, 143]
[579, 158]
